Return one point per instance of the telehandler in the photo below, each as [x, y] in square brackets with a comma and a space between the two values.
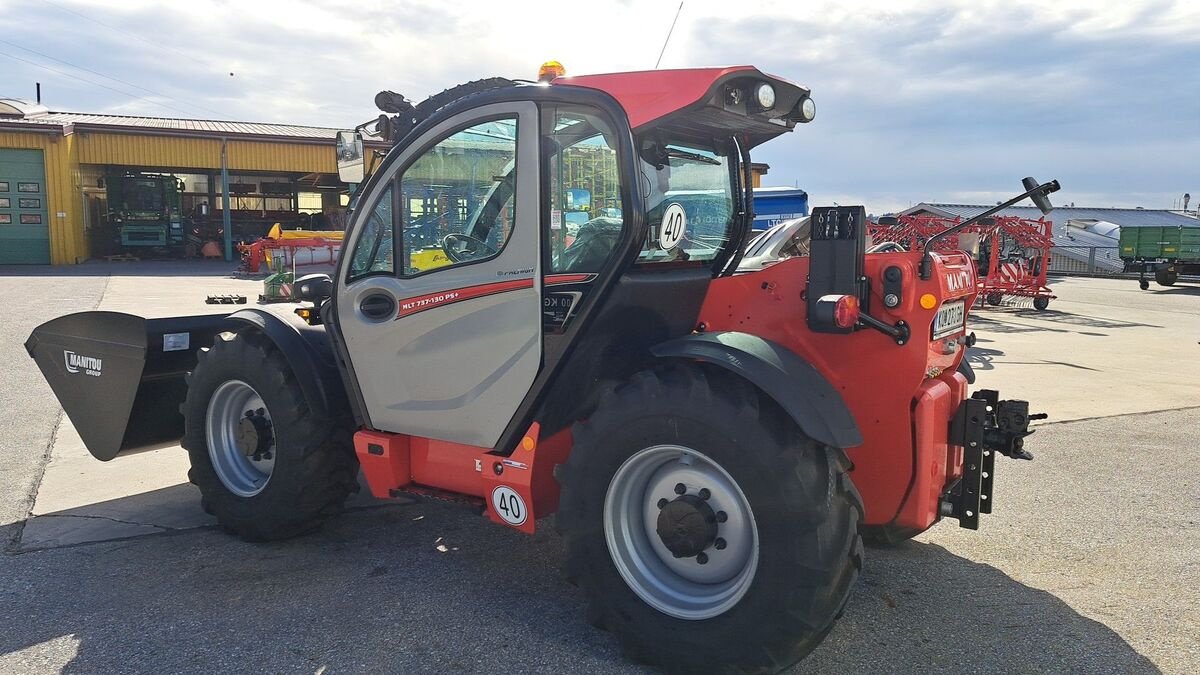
[714, 444]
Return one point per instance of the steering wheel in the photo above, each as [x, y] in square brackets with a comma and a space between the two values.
[464, 248]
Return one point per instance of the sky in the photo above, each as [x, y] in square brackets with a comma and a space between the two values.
[917, 100]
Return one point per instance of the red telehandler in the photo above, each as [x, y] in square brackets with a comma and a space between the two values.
[715, 444]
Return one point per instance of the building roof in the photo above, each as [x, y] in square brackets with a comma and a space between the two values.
[22, 114]
[1121, 217]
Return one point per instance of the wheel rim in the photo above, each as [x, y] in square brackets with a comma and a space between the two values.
[723, 557]
[240, 445]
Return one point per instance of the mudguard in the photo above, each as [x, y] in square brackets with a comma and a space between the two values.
[803, 393]
[309, 353]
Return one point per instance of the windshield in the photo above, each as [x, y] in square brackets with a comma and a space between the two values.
[689, 201]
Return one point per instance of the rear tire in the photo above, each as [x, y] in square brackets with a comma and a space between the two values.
[1166, 277]
[1040, 303]
[802, 508]
[313, 465]
[994, 299]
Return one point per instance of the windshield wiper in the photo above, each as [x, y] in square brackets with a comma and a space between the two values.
[692, 157]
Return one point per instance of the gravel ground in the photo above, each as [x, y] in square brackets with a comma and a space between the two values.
[1089, 564]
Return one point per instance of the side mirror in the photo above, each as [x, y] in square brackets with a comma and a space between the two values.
[1041, 198]
[349, 157]
[313, 287]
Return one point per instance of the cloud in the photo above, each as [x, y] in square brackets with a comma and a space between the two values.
[917, 100]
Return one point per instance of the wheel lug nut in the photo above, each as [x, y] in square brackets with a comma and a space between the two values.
[704, 493]
[702, 558]
[722, 516]
[249, 413]
[662, 502]
[680, 488]
[720, 544]
[260, 412]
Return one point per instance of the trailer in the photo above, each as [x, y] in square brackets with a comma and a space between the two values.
[1167, 252]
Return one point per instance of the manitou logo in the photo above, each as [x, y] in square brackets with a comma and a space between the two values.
[958, 281]
[90, 365]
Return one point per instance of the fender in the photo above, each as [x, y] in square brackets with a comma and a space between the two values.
[803, 393]
[308, 352]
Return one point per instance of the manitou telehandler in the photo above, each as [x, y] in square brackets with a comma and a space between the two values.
[712, 442]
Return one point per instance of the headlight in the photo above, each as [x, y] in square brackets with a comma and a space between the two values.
[806, 110]
[764, 95]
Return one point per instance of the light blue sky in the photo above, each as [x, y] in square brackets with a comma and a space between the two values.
[941, 100]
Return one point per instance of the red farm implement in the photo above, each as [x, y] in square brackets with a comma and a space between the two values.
[1011, 254]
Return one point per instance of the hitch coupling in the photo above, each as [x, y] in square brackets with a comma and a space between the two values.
[984, 426]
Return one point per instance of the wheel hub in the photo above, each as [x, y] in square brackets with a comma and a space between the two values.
[687, 526]
[254, 435]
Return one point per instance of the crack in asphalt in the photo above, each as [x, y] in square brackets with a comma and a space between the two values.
[165, 528]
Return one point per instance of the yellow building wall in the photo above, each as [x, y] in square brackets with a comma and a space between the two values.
[203, 153]
[63, 156]
[68, 242]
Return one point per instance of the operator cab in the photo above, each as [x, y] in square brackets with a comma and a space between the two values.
[503, 222]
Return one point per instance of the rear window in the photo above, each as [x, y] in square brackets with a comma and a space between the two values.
[689, 202]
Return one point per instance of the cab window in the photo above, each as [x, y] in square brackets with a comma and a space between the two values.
[585, 189]
[457, 198]
[373, 250]
[689, 201]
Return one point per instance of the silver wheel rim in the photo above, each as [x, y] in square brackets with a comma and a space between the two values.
[679, 587]
[236, 467]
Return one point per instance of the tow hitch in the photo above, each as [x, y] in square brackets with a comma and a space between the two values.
[984, 426]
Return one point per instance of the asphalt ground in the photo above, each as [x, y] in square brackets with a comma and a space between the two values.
[1090, 562]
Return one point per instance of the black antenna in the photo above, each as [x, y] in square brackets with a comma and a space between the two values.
[669, 32]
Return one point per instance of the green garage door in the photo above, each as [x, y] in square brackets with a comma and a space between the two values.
[24, 221]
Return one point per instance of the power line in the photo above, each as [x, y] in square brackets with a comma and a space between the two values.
[96, 84]
[109, 77]
[669, 32]
[119, 30]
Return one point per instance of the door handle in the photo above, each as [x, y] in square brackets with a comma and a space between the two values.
[377, 306]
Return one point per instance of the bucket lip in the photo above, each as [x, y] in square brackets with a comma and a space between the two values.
[71, 329]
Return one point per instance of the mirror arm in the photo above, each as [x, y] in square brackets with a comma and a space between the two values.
[927, 258]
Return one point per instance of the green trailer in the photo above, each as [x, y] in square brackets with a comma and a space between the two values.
[1166, 252]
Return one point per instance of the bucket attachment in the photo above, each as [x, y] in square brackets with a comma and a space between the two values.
[119, 377]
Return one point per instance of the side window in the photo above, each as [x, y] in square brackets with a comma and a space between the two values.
[374, 250]
[689, 202]
[585, 190]
[458, 198]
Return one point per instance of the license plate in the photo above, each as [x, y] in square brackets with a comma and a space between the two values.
[951, 318]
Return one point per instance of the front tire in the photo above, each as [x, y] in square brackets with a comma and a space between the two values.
[265, 466]
[773, 514]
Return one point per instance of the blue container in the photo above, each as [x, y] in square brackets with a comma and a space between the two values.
[773, 205]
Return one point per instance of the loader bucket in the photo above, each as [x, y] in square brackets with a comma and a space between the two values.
[119, 377]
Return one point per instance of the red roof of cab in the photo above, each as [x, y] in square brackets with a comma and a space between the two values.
[650, 94]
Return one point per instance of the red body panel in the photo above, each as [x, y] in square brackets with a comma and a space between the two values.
[649, 95]
[393, 462]
[899, 395]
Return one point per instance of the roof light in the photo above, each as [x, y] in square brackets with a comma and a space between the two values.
[551, 70]
[764, 96]
[806, 110]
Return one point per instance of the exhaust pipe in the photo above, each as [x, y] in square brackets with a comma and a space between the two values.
[120, 377]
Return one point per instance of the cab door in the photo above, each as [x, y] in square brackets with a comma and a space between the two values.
[439, 301]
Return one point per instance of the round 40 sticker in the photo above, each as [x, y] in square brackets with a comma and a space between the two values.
[509, 505]
[674, 223]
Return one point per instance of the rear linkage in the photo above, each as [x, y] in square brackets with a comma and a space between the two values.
[983, 426]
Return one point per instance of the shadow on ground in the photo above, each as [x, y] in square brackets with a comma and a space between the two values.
[428, 587]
